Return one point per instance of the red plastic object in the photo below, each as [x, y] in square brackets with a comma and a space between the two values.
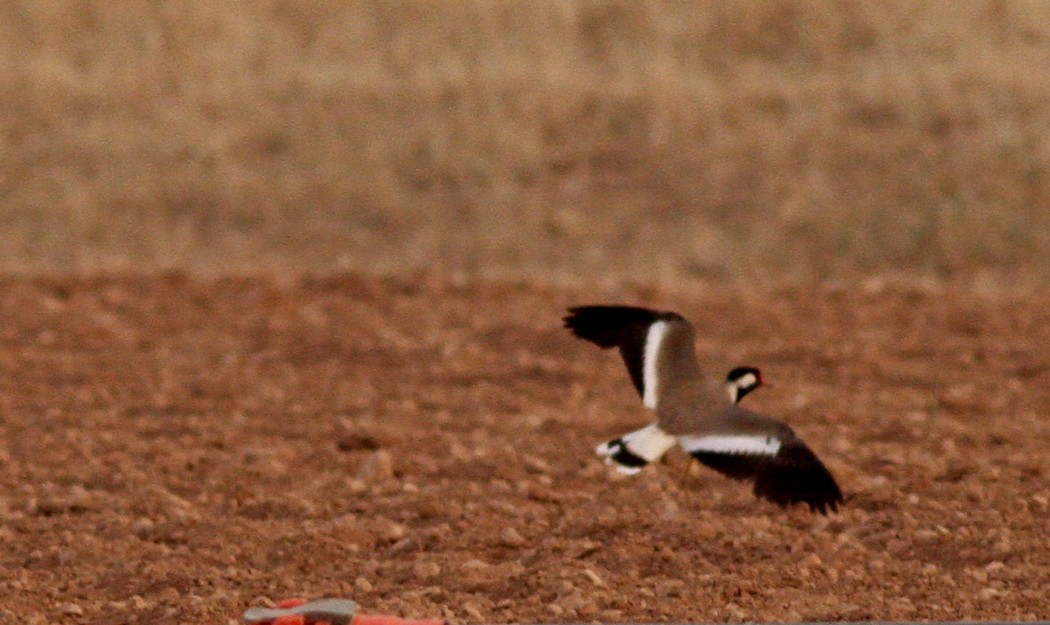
[386, 619]
[325, 612]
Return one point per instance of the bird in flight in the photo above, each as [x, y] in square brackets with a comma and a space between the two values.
[693, 411]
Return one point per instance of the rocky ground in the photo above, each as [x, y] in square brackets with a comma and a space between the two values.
[175, 450]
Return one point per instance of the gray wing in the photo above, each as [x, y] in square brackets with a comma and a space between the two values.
[658, 350]
[623, 327]
[681, 395]
[742, 444]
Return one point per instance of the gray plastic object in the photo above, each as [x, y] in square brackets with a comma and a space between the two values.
[335, 611]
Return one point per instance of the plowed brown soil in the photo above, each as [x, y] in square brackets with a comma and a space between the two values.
[175, 450]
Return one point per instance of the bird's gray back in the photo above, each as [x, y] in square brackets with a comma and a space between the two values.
[686, 395]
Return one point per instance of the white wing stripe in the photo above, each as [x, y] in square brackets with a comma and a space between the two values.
[654, 338]
[732, 444]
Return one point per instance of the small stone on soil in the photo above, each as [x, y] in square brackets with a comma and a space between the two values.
[379, 466]
[511, 537]
[426, 569]
[362, 585]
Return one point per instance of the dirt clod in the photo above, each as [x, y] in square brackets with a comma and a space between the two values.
[362, 585]
[377, 467]
[511, 537]
[70, 609]
[426, 569]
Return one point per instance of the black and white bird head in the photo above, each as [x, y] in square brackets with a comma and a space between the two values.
[741, 381]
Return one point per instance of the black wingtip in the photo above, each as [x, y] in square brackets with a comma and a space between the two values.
[794, 475]
[805, 479]
[608, 325]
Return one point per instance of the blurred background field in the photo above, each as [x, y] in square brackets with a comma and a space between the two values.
[658, 142]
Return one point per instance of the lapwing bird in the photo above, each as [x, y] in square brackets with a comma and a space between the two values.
[694, 412]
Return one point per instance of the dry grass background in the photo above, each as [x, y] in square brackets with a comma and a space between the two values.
[640, 140]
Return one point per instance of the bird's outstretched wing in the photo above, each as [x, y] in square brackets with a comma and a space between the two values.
[783, 468]
[637, 332]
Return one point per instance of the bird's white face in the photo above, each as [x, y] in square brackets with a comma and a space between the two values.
[748, 380]
[741, 382]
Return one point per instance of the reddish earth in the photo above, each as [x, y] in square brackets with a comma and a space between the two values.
[175, 450]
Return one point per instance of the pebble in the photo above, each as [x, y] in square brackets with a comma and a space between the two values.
[669, 588]
[170, 595]
[901, 607]
[535, 464]
[574, 602]
[594, 578]
[511, 569]
[706, 531]
[670, 509]
[377, 467]
[584, 549]
[70, 609]
[142, 526]
[476, 565]
[734, 612]
[401, 546]
[925, 534]
[363, 585]
[473, 611]
[394, 531]
[138, 603]
[511, 537]
[356, 486]
[426, 569]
